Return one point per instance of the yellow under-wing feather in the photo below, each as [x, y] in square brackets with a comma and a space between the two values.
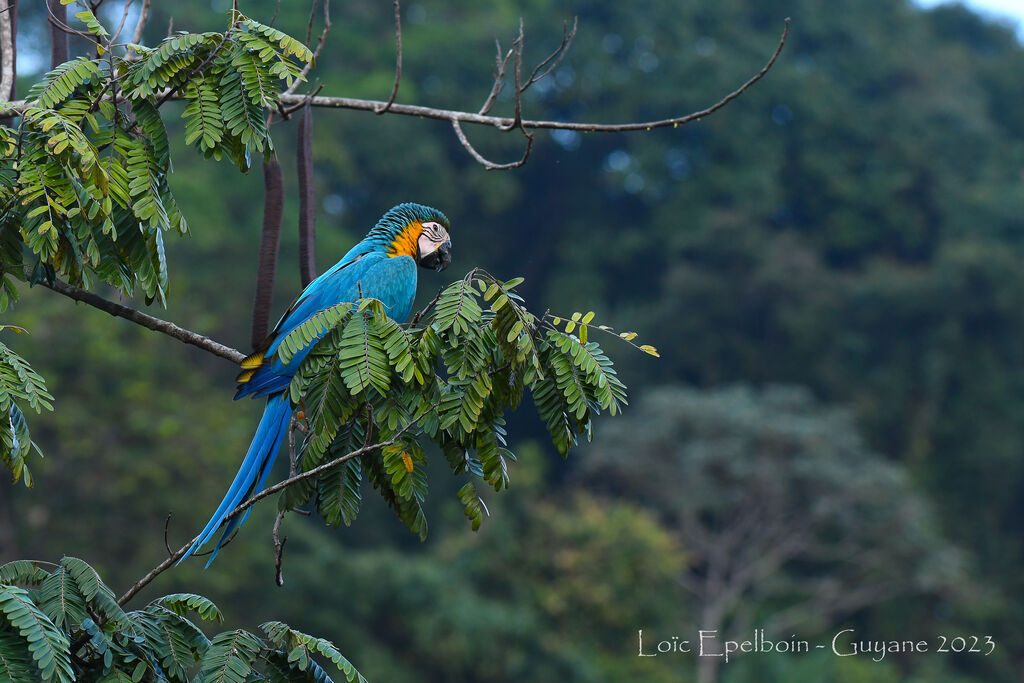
[252, 362]
[245, 375]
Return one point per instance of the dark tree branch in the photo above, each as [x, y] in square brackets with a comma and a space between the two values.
[167, 524]
[62, 24]
[147, 321]
[273, 211]
[58, 16]
[398, 60]
[59, 51]
[307, 198]
[426, 309]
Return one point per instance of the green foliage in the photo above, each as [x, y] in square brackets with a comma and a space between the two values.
[18, 382]
[449, 380]
[84, 194]
[65, 625]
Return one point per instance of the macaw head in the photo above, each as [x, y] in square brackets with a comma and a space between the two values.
[417, 231]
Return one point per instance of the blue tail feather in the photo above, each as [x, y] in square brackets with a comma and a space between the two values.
[252, 475]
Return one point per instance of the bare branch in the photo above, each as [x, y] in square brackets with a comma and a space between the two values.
[309, 26]
[426, 309]
[499, 77]
[555, 58]
[319, 46]
[59, 19]
[517, 70]
[153, 573]
[167, 524]
[124, 18]
[486, 163]
[279, 549]
[141, 24]
[398, 59]
[505, 123]
[147, 321]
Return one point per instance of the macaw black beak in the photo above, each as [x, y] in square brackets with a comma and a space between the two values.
[439, 258]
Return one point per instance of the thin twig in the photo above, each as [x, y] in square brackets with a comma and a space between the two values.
[309, 26]
[141, 24]
[147, 321]
[306, 99]
[500, 64]
[315, 472]
[426, 309]
[153, 573]
[62, 25]
[555, 58]
[517, 69]
[124, 19]
[279, 549]
[292, 471]
[486, 163]
[398, 59]
[319, 47]
[167, 524]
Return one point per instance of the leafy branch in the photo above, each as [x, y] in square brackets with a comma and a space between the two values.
[64, 625]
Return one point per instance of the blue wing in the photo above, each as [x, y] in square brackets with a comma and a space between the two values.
[392, 280]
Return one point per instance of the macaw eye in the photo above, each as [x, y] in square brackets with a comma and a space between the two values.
[435, 232]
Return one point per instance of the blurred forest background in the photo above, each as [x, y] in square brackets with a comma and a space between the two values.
[830, 268]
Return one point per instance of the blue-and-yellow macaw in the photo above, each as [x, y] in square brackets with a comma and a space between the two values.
[381, 266]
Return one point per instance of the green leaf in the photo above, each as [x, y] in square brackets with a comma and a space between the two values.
[22, 572]
[301, 645]
[47, 645]
[473, 506]
[92, 23]
[183, 603]
[230, 658]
